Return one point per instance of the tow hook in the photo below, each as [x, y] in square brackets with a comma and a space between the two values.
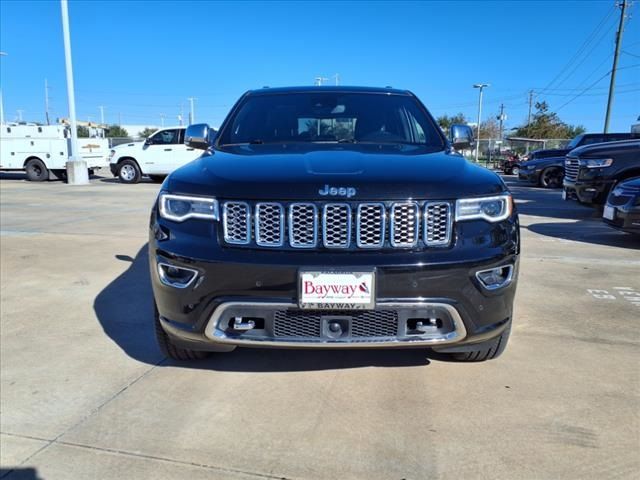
[238, 324]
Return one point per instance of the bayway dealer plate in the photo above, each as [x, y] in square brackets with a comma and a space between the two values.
[337, 290]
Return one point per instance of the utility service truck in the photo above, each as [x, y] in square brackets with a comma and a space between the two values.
[43, 150]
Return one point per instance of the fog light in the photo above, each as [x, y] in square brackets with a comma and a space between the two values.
[495, 278]
[177, 277]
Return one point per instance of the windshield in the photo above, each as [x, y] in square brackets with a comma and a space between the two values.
[574, 143]
[330, 117]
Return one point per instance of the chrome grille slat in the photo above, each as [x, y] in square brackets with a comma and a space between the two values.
[303, 225]
[571, 168]
[437, 219]
[269, 224]
[405, 223]
[370, 225]
[338, 225]
[237, 223]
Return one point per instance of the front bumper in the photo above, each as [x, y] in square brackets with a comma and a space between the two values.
[257, 285]
[587, 192]
[625, 217]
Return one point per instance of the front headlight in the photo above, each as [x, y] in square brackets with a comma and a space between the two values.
[596, 162]
[180, 207]
[491, 209]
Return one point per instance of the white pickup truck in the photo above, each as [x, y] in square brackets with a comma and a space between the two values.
[156, 157]
[43, 150]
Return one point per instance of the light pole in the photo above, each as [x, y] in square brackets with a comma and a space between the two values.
[2, 54]
[77, 173]
[481, 86]
[192, 113]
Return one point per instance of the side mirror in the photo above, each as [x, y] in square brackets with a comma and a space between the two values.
[148, 141]
[198, 136]
[461, 137]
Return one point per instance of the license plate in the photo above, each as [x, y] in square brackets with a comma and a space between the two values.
[609, 212]
[337, 290]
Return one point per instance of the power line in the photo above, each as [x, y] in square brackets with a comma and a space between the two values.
[587, 54]
[584, 45]
[583, 91]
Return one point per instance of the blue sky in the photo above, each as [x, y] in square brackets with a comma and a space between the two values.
[144, 59]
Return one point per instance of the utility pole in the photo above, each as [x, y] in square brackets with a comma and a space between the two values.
[162, 115]
[623, 9]
[101, 107]
[192, 113]
[2, 54]
[480, 86]
[320, 80]
[77, 173]
[502, 117]
[337, 77]
[46, 101]
[529, 116]
[181, 116]
[19, 115]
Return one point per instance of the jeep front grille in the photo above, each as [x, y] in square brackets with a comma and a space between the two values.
[339, 225]
[571, 168]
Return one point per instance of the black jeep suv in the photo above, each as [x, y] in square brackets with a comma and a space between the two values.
[333, 217]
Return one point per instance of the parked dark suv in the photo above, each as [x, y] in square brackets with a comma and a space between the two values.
[333, 217]
[593, 170]
[546, 167]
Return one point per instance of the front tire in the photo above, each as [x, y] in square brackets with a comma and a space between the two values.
[36, 170]
[551, 177]
[129, 171]
[482, 351]
[169, 349]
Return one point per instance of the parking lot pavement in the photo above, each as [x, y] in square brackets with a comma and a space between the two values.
[85, 393]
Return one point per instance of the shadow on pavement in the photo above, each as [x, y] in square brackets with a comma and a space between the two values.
[19, 473]
[124, 309]
[587, 231]
[117, 180]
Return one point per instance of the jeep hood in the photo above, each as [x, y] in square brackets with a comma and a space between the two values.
[300, 171]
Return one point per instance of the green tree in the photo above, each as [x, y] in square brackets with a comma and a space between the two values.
[445, 121]
[116, 131]
[547, 124]
[489, 129]
[147, 132]
[83, 132]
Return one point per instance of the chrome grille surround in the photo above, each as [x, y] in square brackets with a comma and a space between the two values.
[336, 225]
[371, 221]
[437, 224]
[405, 224]
[571, 168]
[269, 224]
[303, 225]
[236, 219]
